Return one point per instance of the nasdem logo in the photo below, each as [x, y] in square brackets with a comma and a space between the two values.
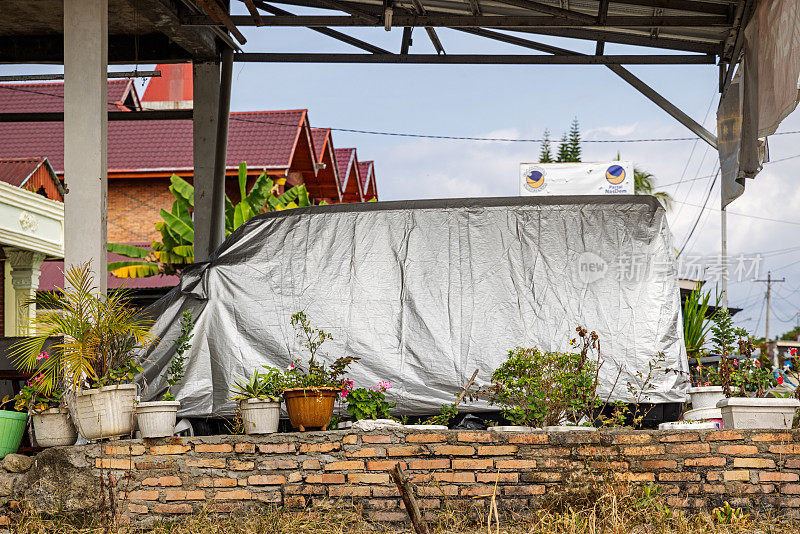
[591, 267]
[615, 174]
[534, 179]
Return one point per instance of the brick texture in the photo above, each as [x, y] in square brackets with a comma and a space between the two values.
[179, 476]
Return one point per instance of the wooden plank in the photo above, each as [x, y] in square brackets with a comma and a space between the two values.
[254, 12]
[221, 17]
[407, 494]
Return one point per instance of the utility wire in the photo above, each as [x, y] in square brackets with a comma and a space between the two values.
[694, 226]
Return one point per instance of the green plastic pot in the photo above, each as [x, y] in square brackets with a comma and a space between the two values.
[12, 427]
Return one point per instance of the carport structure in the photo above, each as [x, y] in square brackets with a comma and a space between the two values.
[86, 35]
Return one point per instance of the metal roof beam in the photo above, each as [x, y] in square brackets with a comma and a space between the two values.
[602, 15]
[709, 8]
[668, 43]
[475, 59]
[160, 115]
[437, 44]
[620, 71]
[339, 36]
[441, 20]
[566, 14]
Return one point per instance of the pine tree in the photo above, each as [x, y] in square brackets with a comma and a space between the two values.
[563, 150]
[545, 155]
[575, 141]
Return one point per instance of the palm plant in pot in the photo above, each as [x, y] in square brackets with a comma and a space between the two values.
[157, 419]
[259, 400]
[311, 387]
[746, 382]
[94, 360]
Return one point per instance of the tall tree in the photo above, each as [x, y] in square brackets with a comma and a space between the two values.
[575, 141]
[545, 155]
[563, 150]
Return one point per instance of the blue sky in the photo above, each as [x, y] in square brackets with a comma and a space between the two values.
[520, 102]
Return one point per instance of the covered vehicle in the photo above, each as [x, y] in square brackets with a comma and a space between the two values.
[425, 292]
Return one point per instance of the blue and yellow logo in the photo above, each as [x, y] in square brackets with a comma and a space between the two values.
[534, 179]
[615, 174]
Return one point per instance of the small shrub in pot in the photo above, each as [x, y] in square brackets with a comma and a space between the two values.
[312, 386]
[52, 424]
[157, 418]
[259, 400]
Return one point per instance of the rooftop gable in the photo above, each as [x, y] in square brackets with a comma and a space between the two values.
[49, 97]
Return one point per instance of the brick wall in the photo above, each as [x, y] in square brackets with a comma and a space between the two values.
[178, 476]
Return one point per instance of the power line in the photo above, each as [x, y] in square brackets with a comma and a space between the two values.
[694, 226]
[740, 214]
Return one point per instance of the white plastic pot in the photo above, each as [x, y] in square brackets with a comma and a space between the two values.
[157, 419]
[105, 412]
[260, 416]
[705, 396]
[690, 425]
[513, 428]
[742, 413]
[53, 428]
[426, 427]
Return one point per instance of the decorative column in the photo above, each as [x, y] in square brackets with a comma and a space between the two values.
[25, 281]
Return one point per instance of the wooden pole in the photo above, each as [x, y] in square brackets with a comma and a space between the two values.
[466, 388]
[407, 493]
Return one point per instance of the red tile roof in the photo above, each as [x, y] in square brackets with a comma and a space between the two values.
[320, 136]
[49, 97]
[345, 158]
[365, 174]
[264, 139]
[16, 171]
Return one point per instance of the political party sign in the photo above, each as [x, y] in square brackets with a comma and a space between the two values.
[595, 178]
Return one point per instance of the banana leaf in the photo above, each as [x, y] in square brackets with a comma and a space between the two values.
[183, 189]
[183, 228]
[128, 250]
[133, 269]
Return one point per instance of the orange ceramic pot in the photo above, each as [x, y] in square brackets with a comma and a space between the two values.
[310, 408]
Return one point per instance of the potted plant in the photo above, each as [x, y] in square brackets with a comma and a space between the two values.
[12, 427]
[52, 424]
[537, 388]
[705, 393]
[94, 361]
[259, 401]
[312, 387]
[745, 382]
[157, 419]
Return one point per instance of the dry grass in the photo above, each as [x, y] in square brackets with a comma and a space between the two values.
[618, 509]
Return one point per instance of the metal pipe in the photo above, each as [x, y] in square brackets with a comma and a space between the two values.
[476, 59]
[220, 158]
[110, 75]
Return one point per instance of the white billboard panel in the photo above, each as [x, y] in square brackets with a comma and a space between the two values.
[595, 178]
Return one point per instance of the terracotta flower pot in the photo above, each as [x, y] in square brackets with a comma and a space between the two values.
[310, 408]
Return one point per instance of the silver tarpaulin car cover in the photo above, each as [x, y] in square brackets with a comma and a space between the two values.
[425, 292]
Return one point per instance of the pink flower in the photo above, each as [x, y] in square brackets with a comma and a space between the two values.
[780, 379]
[38, 378]
[348, 385]
[708, 383]
[758, 363]
[344, 393]
[42, 356]
[290, 367]
[793, 352]
[735, 362]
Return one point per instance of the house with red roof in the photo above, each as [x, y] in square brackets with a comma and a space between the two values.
[347, 161]
[143, 155]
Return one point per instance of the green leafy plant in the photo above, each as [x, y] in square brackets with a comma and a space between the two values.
[728, 515]
[537, 388]
[446, 414]
[315, 373]
[697, 321]
[175, 250]
[30, 397]
[724, 335]
[177, 365]
[99, 335]
[363, 403]
[261, 385]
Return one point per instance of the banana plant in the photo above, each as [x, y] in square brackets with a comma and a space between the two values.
[176, 247]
